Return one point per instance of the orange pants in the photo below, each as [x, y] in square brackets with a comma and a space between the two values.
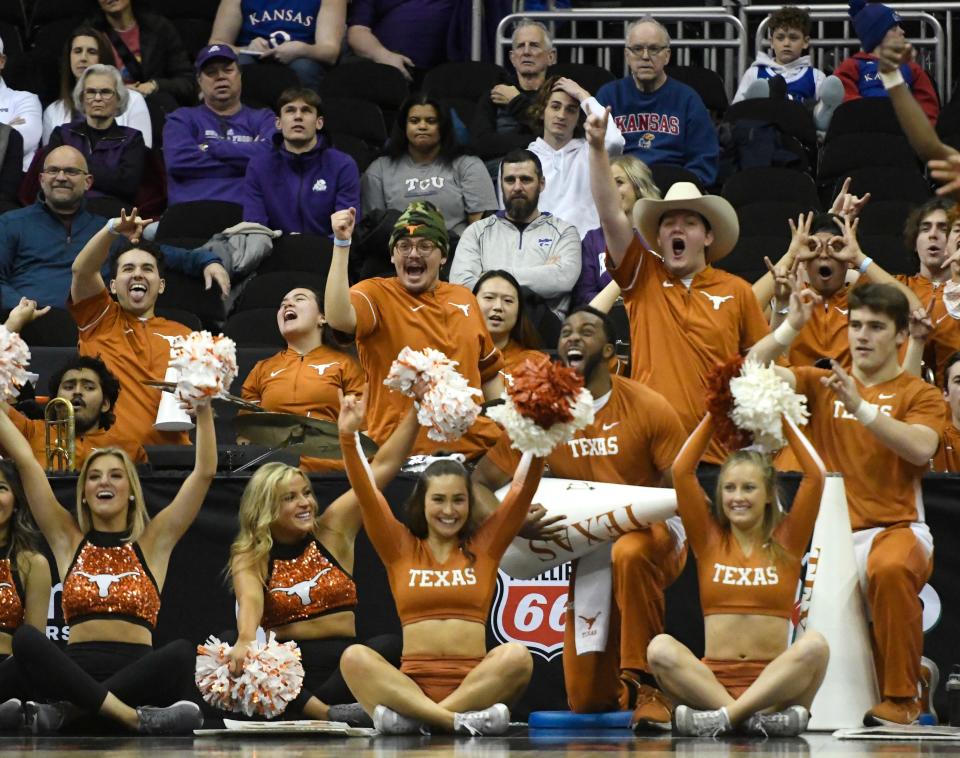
[736, 676]
[897, 568]
[437, 677]
[645, 563]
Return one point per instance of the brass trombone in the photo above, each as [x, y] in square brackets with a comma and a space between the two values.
[61, 435]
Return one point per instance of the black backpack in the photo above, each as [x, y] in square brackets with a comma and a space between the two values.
[754, 143]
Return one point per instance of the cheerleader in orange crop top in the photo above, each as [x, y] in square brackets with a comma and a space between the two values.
[748, 564]
[112, 561]
[442, 568]
[24, 588]
[291, 569]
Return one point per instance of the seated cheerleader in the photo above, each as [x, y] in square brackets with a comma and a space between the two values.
[442, 567]
[113, 561]
[291, 571]
[24, 588]
[749, 676]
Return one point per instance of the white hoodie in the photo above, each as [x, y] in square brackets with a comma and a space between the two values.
[790, 72]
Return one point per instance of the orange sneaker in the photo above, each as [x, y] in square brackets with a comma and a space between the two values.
[653, 712]
[894, 711]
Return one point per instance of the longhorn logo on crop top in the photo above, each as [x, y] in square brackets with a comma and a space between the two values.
[302, 589]
[105, 581]
[5, 584]
[532, 612]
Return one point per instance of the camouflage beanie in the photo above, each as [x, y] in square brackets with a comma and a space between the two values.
[421, 219]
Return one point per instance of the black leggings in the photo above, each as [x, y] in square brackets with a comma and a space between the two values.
[321, 667]
[11, 680]
[86, 671]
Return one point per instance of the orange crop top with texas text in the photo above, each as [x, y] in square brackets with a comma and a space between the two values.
[424, 588]
[730, 581]
[11, 596]
[304, 581]
[109, 579]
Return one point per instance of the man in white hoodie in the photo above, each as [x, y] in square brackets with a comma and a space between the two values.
[22, 111]
[789, 30]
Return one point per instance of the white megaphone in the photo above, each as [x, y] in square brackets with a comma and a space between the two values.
[836, 609]
[170, 416]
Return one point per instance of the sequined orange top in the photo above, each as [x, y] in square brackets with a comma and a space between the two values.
[423, 587]
[303, 582]
[11, 597]
[731, 581]
[109, 579]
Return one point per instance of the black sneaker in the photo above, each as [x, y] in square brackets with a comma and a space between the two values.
[180, 718]
[11, 714]
[44, 718]
[351, 714]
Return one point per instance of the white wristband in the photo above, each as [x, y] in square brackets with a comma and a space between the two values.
[867, 413]
[864, 265]
[112, 227]
[891, 79]
[785, 334]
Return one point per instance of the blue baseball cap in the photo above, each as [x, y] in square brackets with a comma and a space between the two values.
[212, 52]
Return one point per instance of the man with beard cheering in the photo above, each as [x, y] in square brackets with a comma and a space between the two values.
[413, 309]
[539, 249]
[634, 438]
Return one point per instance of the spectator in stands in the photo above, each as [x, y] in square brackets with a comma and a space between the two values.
[789, 33]
[501, 303]
[297, 185]
[423, 162]
[876, 24]
[947, 459]
[501, 122]
[662, 120]
[406, 34]
[415, 309]
[11, 167]
[115, 154]
[85, 47]
[126, 333]
[305, 35]
[207, 147]
[39, 243]
[148, 52]
[541, 250]
[286, 383]
[87, 384]
[22, 111]
[559, 112]
[633, 181]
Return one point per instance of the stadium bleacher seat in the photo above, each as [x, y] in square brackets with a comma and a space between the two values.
[588, 76]
[299, 252]
[770, 219]
[849, 152]
[707, 83]
[187, 318]
[467, 79]
[187, 293]
[256, 327]
[358, 118]
[884, 217]
[888, 251]
[771, 184]
[666, 175]
[198, 220]
[56, 329]
[380, 84]
[746, 259]
[868, 114]
[267, 290]
[791, 118]
[263, 83]
[889, 183]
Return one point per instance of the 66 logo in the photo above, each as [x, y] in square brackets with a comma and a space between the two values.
[533, 611]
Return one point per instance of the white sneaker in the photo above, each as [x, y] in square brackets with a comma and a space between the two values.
[929, 679]
[387, 721]
[692, 723]
[492, 720]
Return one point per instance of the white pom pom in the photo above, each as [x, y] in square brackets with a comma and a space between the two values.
[272, 677]
[760, 399]
[445, 400]
[528, 437]
[207, 366]
[14, 359]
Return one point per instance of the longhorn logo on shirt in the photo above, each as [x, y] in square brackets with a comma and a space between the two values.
[105, 581]
[532, 612]
[465, 307]
[321, 367]
[716, 300]
[302, 589]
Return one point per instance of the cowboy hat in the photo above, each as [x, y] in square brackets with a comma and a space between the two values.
[685, 196]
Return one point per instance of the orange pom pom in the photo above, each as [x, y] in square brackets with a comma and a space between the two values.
[544, 392]
[719, 402]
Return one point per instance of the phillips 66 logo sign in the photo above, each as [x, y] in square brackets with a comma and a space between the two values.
[533, 611]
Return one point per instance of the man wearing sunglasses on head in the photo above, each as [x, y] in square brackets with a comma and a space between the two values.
[413, 309]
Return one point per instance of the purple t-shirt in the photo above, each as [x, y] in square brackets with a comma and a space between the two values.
[415, 28]
[593, 268]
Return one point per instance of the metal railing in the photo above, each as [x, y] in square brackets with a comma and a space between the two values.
[719, 35]
[834, 39]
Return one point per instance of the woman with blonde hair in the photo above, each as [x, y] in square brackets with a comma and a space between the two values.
[112, 560]
[292, 569]
[634, 181]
